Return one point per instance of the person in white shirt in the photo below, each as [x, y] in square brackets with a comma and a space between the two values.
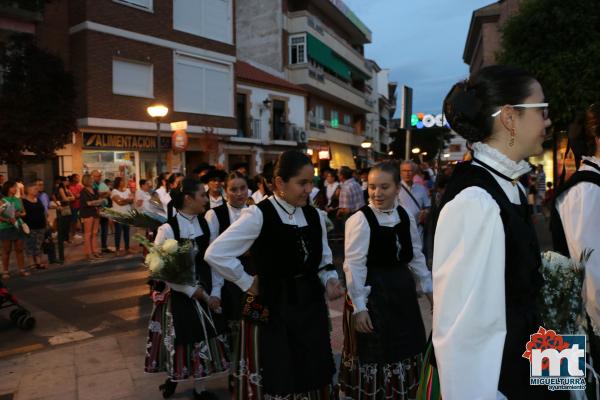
[162, 191]
[183, 341]
[413, 197]
[575, 220]
[286, 326]
[214, 179]
[142, 197]
[122, 200]
[486, 259]
[263, 191]
[332, 189]
[384, 266]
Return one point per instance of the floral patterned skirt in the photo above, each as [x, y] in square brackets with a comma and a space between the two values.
[206, 355]
[372, 381]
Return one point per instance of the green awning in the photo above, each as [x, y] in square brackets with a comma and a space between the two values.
[323, 55]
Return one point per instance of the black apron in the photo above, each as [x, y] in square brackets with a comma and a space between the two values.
[187, 324]
[294, 345]
[393, 306]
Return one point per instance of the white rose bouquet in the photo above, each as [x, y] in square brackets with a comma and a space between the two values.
[171, 261]
[563, 309]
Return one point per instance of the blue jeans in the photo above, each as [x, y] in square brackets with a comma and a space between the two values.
[118, 229]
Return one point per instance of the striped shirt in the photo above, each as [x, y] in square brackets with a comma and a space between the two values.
[351, 195]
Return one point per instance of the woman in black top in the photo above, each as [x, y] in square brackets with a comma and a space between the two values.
[35, 218]
[90, 201]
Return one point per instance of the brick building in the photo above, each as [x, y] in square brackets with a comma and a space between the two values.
[126, 55]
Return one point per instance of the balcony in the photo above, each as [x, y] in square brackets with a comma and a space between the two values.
[303, 21]
[316, 80]
[20, 16]
[323, 131]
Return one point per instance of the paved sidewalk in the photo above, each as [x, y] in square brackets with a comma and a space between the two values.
[104, 368]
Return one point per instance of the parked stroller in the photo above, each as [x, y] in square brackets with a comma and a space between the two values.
[18, 315]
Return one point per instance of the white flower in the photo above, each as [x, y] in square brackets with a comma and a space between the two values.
[170, 246]
[154, 262]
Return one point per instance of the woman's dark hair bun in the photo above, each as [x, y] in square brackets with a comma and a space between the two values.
[469, 105]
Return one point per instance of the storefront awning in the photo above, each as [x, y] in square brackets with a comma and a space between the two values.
[322, 54]
[341, 155]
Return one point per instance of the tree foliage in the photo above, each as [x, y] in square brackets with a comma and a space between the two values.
[559, 42]
[37, 99]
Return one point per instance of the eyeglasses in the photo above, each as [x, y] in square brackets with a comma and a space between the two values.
[543, 106]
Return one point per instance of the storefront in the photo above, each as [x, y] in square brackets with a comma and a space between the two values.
[132, 157]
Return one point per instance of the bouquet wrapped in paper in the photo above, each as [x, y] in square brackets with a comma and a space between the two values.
[563, 309]
[171, 261]
[145, 220]
[8, 211]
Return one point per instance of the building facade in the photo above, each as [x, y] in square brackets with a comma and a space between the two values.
[318, 45]
[126, 55]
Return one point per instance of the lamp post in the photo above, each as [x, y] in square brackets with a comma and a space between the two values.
[157, 112]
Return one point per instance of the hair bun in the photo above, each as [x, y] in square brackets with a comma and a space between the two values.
[461, 108]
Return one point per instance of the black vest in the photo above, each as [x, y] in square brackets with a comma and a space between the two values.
[203, 272]
[558, 232]
[382, 244]
[222, 213]
[523, 280]
[284, 255]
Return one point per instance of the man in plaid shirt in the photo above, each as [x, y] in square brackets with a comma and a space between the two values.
[351, 194]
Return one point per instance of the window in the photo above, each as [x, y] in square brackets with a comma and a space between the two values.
[298, 49]
[132, 79]
[347, 120]
[320, 116]
[143, 4]
[202, 87]
[206, 18]
[242, 115]
[335, 119]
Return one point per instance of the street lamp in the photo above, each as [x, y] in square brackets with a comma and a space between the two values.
[416, 150]
[366, 144]
[157, 112]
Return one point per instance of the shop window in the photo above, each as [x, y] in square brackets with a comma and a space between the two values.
[207, 18]
[133, 79]
[203, 87]
[298, 49]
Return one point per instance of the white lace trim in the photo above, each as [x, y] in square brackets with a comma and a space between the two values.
[499, 161]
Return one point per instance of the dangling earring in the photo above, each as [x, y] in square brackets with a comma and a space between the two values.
[511, 142]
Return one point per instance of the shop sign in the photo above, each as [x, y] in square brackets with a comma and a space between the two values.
[125, 142]
[180, 141]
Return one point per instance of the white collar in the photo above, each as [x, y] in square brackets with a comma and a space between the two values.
[235, 209]
[188, 217]
[499, 161]
[592, 159]
[386, 212]
[287, 206]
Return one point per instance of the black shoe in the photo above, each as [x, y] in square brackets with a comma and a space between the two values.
[168, 388]
[107, 251]
[205, 395]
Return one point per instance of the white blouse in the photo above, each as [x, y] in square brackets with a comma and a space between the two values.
[239, 237]
[164, 197]
[214, 226]
[579, 210]
[258, 196]
[187, 230]
[356, 249]
[215, 202]
[469, 317]
[330, 190]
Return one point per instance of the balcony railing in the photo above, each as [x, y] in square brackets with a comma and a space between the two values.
[254, 130]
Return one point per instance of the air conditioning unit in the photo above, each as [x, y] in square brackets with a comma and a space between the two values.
[300, 135]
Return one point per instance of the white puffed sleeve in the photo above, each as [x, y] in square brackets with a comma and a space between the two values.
[222, 255]
[579, 212]
[469, 317]
[356, 248]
